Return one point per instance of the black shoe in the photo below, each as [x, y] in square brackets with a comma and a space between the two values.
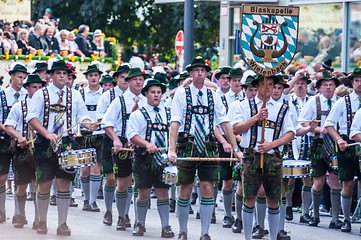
[42, 229]
[191, 210]
[94, 207]
[228, 221]
[35, 224]
[258, 232]
[73, 203]
[214, 219]
[53, 200]
[19, 221]
[282, 235]
[121, 224]
[336, 224]
[289, 213]
[182, 236]
[152, 194]
[198, 215]
[237, 226]
[31, 196]
[346, 226]
[2, 217]
[127, 221]
[86, 206]
[205, 237]
[194, 198]
[63, 230]
[314, 221]
[167, 232]
[172, 206]
[108, 218]
[305, 218]
[233, 207]
[100, 194]
[138, 230]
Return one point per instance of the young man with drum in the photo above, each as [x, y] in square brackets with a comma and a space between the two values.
[196, 110]
[148, 131]
[107, 163]
[279, 131]
[90, 176]
[9, 97]
[115, 125]
[52, 113]
[341, 116]
[23, 157]
[317, 108]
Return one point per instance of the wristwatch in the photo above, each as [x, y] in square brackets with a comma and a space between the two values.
[236, 150]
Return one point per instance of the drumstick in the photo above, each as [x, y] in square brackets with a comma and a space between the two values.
[318, 121]
[206, 159]
[97, 123]
[132, 150]
[352, 144]
[27, 143]
[62, 133]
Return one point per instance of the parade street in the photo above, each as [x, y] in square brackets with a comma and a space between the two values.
[88, 225]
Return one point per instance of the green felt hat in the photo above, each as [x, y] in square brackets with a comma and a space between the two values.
[356, 73]
[161, 77]
[121, 69]
[306, 77]
[249, 80]
[173, 82]
[259, 77]
[281, 80]
[152, 82]
[40, 66]
[236, 72]
[107, 79]
[198, 62]
[183, 75]
[34, 78]
[224, 70]
[59, 65]
[135, 72]
[19, 68]
[93, 68]
[328, 76]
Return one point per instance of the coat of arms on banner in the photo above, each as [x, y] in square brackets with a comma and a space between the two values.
[268, 37]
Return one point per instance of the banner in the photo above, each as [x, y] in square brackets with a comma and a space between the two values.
[11, 10]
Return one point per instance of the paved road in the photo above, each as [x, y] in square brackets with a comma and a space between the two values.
[88, 225]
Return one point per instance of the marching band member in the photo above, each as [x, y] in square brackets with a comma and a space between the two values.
[196, 110]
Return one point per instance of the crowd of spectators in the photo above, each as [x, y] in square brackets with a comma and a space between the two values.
[43, 37]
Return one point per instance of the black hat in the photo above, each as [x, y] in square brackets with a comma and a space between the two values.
[135, 72]
[151, 82]
[259, 77]
[121, 69]
[281, 80]
[16, 23]
[198, 62]
[327, 64]
[40, 66]
[356, 73]
[173, 82]
[106, 79]
[183, 75]
[236, 72]
[19, 68]
[92, 68]
[327, 76]
[59, 65]
[224, 70]
[161, 77]
[249, 80]
[34, 78]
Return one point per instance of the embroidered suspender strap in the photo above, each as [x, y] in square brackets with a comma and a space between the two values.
[154, 126]
[188, 121]
[211, 111]
[24, 108]
[349, 113]
[4, 106]
[103, 91]
[167, 112]
[46, 107]
[112, 94]
[254, 112]
[68, 109]
[82, 93]
[125, 116]
[148, 133]
[224, 101]
[280, 117]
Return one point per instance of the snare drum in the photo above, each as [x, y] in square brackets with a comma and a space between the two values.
[77, 158]
[296, 169]
[170, 175]
[334, 163]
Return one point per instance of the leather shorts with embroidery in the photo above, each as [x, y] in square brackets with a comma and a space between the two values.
[320, 161]
[186, 147]
[348, 161]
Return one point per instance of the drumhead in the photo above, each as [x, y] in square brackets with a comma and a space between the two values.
[296, 163]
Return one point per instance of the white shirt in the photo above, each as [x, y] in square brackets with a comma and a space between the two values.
[356, 124]
[298, 102]
[179, 106]
[15, 118]
[104, 101]
[338, 113]
[113, 116]
[273, 110]
[234, 109]
[137, 124]
[231, 96]
[91, 99]
[309, 111]
[219, 91]
[10, 98]
[36, 107]
[168, 102]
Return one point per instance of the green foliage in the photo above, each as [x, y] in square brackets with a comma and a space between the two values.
[152, 27]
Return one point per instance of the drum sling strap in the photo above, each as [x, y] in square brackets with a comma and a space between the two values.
[254, 111]
[24, 108]
[349, 113]
[125, 116]
[112, 94]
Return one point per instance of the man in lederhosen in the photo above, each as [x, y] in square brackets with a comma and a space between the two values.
[148, 130]
[8, 97]
[196, 110]
[52, 113]
[279, 131]
[341, 116]
[115, 125]
[16, 127]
